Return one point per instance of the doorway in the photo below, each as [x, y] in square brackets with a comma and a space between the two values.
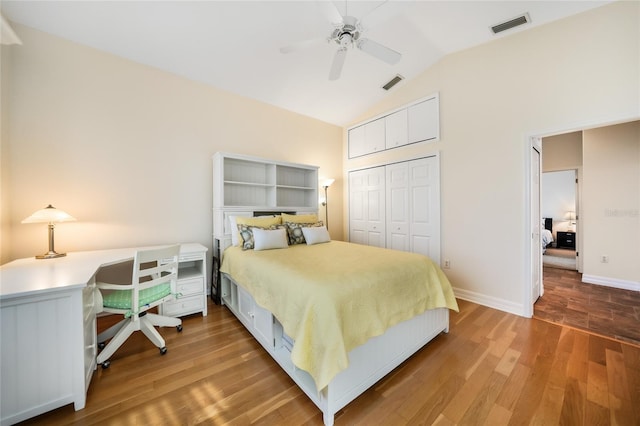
[559, 208]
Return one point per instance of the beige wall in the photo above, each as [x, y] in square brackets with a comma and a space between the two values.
[5, 219]
[611, 203]
[557, 77]
[127, 149]
[562, 152]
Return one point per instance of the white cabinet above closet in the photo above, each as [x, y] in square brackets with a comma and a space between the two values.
[418, 121]
[396, 129]
[423, 121]
[368, 138]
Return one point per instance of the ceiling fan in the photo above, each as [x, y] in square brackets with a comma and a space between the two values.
[347, 33]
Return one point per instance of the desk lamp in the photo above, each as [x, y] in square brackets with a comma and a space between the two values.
[49, 215]
[326, 183]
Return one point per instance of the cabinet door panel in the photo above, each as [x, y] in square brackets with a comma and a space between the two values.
[396, 129]
[374, 135]
[263, 321]
[357, 145]
[245, 305]
[423, 121]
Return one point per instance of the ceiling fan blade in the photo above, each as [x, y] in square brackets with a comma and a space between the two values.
[301, 45]
[338, 62]
[381, 52]
[329, 11]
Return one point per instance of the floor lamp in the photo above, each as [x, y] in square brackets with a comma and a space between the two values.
[326, 183]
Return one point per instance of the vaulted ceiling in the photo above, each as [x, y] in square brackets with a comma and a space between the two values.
[235, 45]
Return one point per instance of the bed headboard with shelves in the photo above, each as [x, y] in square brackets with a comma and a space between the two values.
[251, 186]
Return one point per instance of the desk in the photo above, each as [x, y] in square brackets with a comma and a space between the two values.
[48, 328]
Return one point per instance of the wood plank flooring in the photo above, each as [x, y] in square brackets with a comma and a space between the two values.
[603, 310]
[492, 368]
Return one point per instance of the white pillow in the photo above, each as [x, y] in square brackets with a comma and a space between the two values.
[267, 239]
[316, 235]
[233, 225]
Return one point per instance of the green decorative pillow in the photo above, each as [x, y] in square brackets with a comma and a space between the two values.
[246, 234]
[121, 299]
[295, 231]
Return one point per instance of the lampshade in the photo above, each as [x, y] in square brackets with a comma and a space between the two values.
[325, 183]
[49, 215]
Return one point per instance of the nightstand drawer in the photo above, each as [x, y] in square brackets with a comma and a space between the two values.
[190, 286]
[183, 306]
[566, 240]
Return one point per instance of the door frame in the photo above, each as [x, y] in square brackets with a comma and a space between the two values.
[527, 306]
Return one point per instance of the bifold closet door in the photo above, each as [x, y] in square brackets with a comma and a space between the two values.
[412, 199]
[397, 201]
[397, 206]
[367, 207]
[424, 200]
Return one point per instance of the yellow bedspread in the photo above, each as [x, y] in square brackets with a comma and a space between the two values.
[332, 297]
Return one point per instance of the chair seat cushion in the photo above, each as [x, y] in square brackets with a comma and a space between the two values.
[121, 299]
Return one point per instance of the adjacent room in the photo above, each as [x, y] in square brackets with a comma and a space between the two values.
[178, 176]
[576, 167]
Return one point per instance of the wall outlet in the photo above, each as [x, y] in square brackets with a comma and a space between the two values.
[605, 259]
[447, 264]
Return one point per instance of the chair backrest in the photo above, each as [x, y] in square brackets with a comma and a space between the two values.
[153, 267]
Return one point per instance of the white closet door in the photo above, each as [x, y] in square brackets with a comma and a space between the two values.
[397, 191]
[367, 207]
[358, 207]
[424, 228]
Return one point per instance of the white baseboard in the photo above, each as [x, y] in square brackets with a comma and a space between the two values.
[611, 282]
[490, 301]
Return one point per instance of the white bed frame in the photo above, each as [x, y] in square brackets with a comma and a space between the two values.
[244, 186]
[368, 363]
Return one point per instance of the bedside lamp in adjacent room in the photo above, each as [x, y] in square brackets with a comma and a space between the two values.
[49, 215]
[572, 220]
[326, 183]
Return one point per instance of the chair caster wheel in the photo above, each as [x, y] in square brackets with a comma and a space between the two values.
[179, 328]
[163, 350]
[105, 365]
[101, 345]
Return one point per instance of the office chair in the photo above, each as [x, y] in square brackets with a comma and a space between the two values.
[155, 274]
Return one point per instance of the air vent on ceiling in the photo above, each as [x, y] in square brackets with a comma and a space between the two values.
[395, 80]
[512, 23]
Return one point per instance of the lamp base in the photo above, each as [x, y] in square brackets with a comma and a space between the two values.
[50, 255]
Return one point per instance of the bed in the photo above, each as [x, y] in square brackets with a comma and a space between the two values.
[546, 233]
[336, 316]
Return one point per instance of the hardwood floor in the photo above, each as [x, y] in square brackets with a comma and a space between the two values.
[492, 368]
[603, 310]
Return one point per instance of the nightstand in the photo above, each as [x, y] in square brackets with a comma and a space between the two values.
[566, 240]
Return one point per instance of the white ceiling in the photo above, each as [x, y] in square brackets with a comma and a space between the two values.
[234, 45]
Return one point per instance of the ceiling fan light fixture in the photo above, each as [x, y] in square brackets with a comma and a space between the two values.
[512, 23]
[395, 80]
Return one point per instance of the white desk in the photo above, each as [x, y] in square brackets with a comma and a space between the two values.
[48, 328]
